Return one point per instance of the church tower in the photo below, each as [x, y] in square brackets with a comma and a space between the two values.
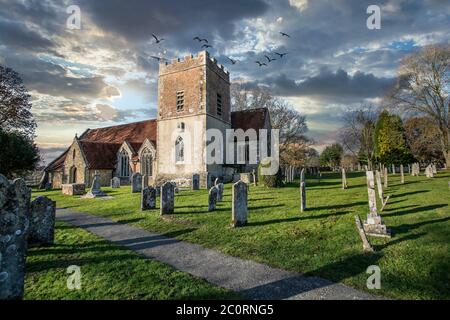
[193, 96]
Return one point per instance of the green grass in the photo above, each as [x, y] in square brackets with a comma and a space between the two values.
[107, 272]
[323, 241]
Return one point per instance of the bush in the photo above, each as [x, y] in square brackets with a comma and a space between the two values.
[270, 181]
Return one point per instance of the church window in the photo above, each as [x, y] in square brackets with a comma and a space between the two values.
[179, 150]
[180, 100]
[73, 154]
[124, 164]
[147, 163]
[181, 126]
[219, 104]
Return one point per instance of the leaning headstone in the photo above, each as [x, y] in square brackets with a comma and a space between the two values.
[239, 209]
[402, 174]
[14, 230]
[148, 198]
[115, 183]
[302, 191]
[212, 198]
[195, 181]
[167, 198]
[384, 200]
[136, 182]
[42, 221]
[367, 247]
[220, 188]
[96, 189]
[374, 226]
[344, 179]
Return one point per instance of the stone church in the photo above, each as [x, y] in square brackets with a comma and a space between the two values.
[193, 96]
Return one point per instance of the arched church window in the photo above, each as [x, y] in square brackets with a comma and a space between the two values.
[124, 164]
[147, 163]
[179, 150]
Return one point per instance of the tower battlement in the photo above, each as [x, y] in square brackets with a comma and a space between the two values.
[192, 61]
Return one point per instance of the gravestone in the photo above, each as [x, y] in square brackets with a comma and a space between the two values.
[212, 198]
[409, 168]
[402, 174]
[167, 198]
[302, 191]
[148, 198]
[374, 226]
[73, 189]
[216, 182]
[136, 182]
[359, 166]
[14, 230]
[144, 181]
[239, 209]
[367, 247]
[380, 190]
[344, 179]
[429, 171]
[42, 221]
[255, 183]
[220, 188]
[393, 169]
[195, 181]
[96, 189]
[115, 183]
[433, 166]
[386, 178]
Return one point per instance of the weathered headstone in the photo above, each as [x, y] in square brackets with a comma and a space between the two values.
[374, 225]
[344, 179]
[74, 189]
[239, 207]
[42, 221]
[254, 178]
[96, 189]
[220, 188]
[386, 178]
[14, 230]
[393, 169]
[195, 181]
[402, 174]
[383, 199]
[433, 166]
[136, 182]
[216, 182]
[167, 198]
[148, 198]
[367, 247]
[429, 171]
[302, 191]
[115, 183]
[212, 198]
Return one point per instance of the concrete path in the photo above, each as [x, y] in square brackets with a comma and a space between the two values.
[251, 279]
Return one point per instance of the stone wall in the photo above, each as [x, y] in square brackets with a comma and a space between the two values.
[75, 159]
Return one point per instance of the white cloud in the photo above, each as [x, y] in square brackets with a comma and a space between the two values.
[301, 5]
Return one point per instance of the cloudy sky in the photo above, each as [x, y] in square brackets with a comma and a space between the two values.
[103, 74]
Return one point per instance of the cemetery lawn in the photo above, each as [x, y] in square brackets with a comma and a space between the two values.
[322, 241]
[107, 272]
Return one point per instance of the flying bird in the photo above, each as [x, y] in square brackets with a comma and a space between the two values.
[205, 46]
[200, 39]
[269, 59]
[285, 34]
[232, 61]
[281, 55]
[261, 63]
[157, 39]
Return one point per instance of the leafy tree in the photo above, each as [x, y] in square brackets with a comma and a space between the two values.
[15, 105]
[423, 139]
[423, 88]
[331, 156]
[390, 140]
[18, 154]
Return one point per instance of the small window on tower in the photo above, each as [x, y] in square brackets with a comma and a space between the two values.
[219, 104]
[180, 100]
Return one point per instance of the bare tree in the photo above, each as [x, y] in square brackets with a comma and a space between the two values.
[358, 134]
[423, 88]
[283, 116]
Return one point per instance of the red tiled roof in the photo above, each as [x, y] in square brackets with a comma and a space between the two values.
[100, 155]
[249, 119]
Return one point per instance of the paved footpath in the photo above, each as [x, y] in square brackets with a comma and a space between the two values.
[251, 279]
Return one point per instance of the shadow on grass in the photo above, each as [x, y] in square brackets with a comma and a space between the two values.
[415, 210]
[294, 219]
[409, 193]
[404, 228]
[398, 240]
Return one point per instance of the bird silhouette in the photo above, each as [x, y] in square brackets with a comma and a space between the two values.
[261, 63]
[281, 55]
[232, 61]
[157, 39]
[205, 46]
[285, 34]
[269, 59]
[200, 39]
